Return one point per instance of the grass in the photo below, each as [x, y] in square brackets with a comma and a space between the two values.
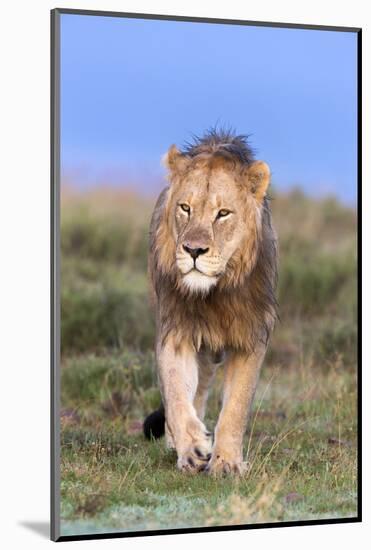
[301, 454]
[301, 443]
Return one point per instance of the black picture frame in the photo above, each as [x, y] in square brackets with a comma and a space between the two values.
[55, 271]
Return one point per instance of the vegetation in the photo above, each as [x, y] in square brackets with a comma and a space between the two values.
[301, 446]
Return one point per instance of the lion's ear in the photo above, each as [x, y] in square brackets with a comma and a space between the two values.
[258, 175]
[174, 160]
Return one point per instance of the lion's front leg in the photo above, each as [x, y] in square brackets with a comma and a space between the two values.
[241, 377]
[178, 373]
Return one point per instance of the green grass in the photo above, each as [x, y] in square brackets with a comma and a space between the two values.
[301, 443]
[302, 456]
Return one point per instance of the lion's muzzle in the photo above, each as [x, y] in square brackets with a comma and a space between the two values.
[195, 251]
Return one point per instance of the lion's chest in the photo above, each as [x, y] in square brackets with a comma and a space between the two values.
[219, 325]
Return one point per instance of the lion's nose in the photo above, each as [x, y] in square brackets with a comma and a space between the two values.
[195, 252]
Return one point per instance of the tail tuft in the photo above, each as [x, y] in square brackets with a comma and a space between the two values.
[154, 424]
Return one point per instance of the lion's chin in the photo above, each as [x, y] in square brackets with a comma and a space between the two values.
[197, 282]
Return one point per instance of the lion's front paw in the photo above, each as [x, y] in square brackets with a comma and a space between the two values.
[196, 457]
[221, 464]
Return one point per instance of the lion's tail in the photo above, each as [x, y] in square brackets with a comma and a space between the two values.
[154, 424]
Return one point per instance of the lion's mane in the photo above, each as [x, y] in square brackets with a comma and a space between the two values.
[241, 309]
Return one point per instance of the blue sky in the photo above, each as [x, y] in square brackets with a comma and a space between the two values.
[130, 88]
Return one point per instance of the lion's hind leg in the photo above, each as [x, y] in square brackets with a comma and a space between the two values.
[208, 364]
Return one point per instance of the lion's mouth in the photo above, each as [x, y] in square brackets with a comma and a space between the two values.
[196, 270]
[193, 269]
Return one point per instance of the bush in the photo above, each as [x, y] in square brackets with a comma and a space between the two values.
[104, 299]
[109, 385]
[104, 307]
[311, 281]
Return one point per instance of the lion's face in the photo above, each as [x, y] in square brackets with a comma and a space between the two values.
[209, 226]
[215, 221]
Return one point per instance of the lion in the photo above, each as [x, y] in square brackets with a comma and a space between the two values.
[213, 272]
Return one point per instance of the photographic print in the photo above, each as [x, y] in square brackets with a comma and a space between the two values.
[205, 188]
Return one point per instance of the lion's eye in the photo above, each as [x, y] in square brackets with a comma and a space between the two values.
[223, 213]
[185, 207]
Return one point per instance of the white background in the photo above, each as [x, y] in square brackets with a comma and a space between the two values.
[24, 267]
